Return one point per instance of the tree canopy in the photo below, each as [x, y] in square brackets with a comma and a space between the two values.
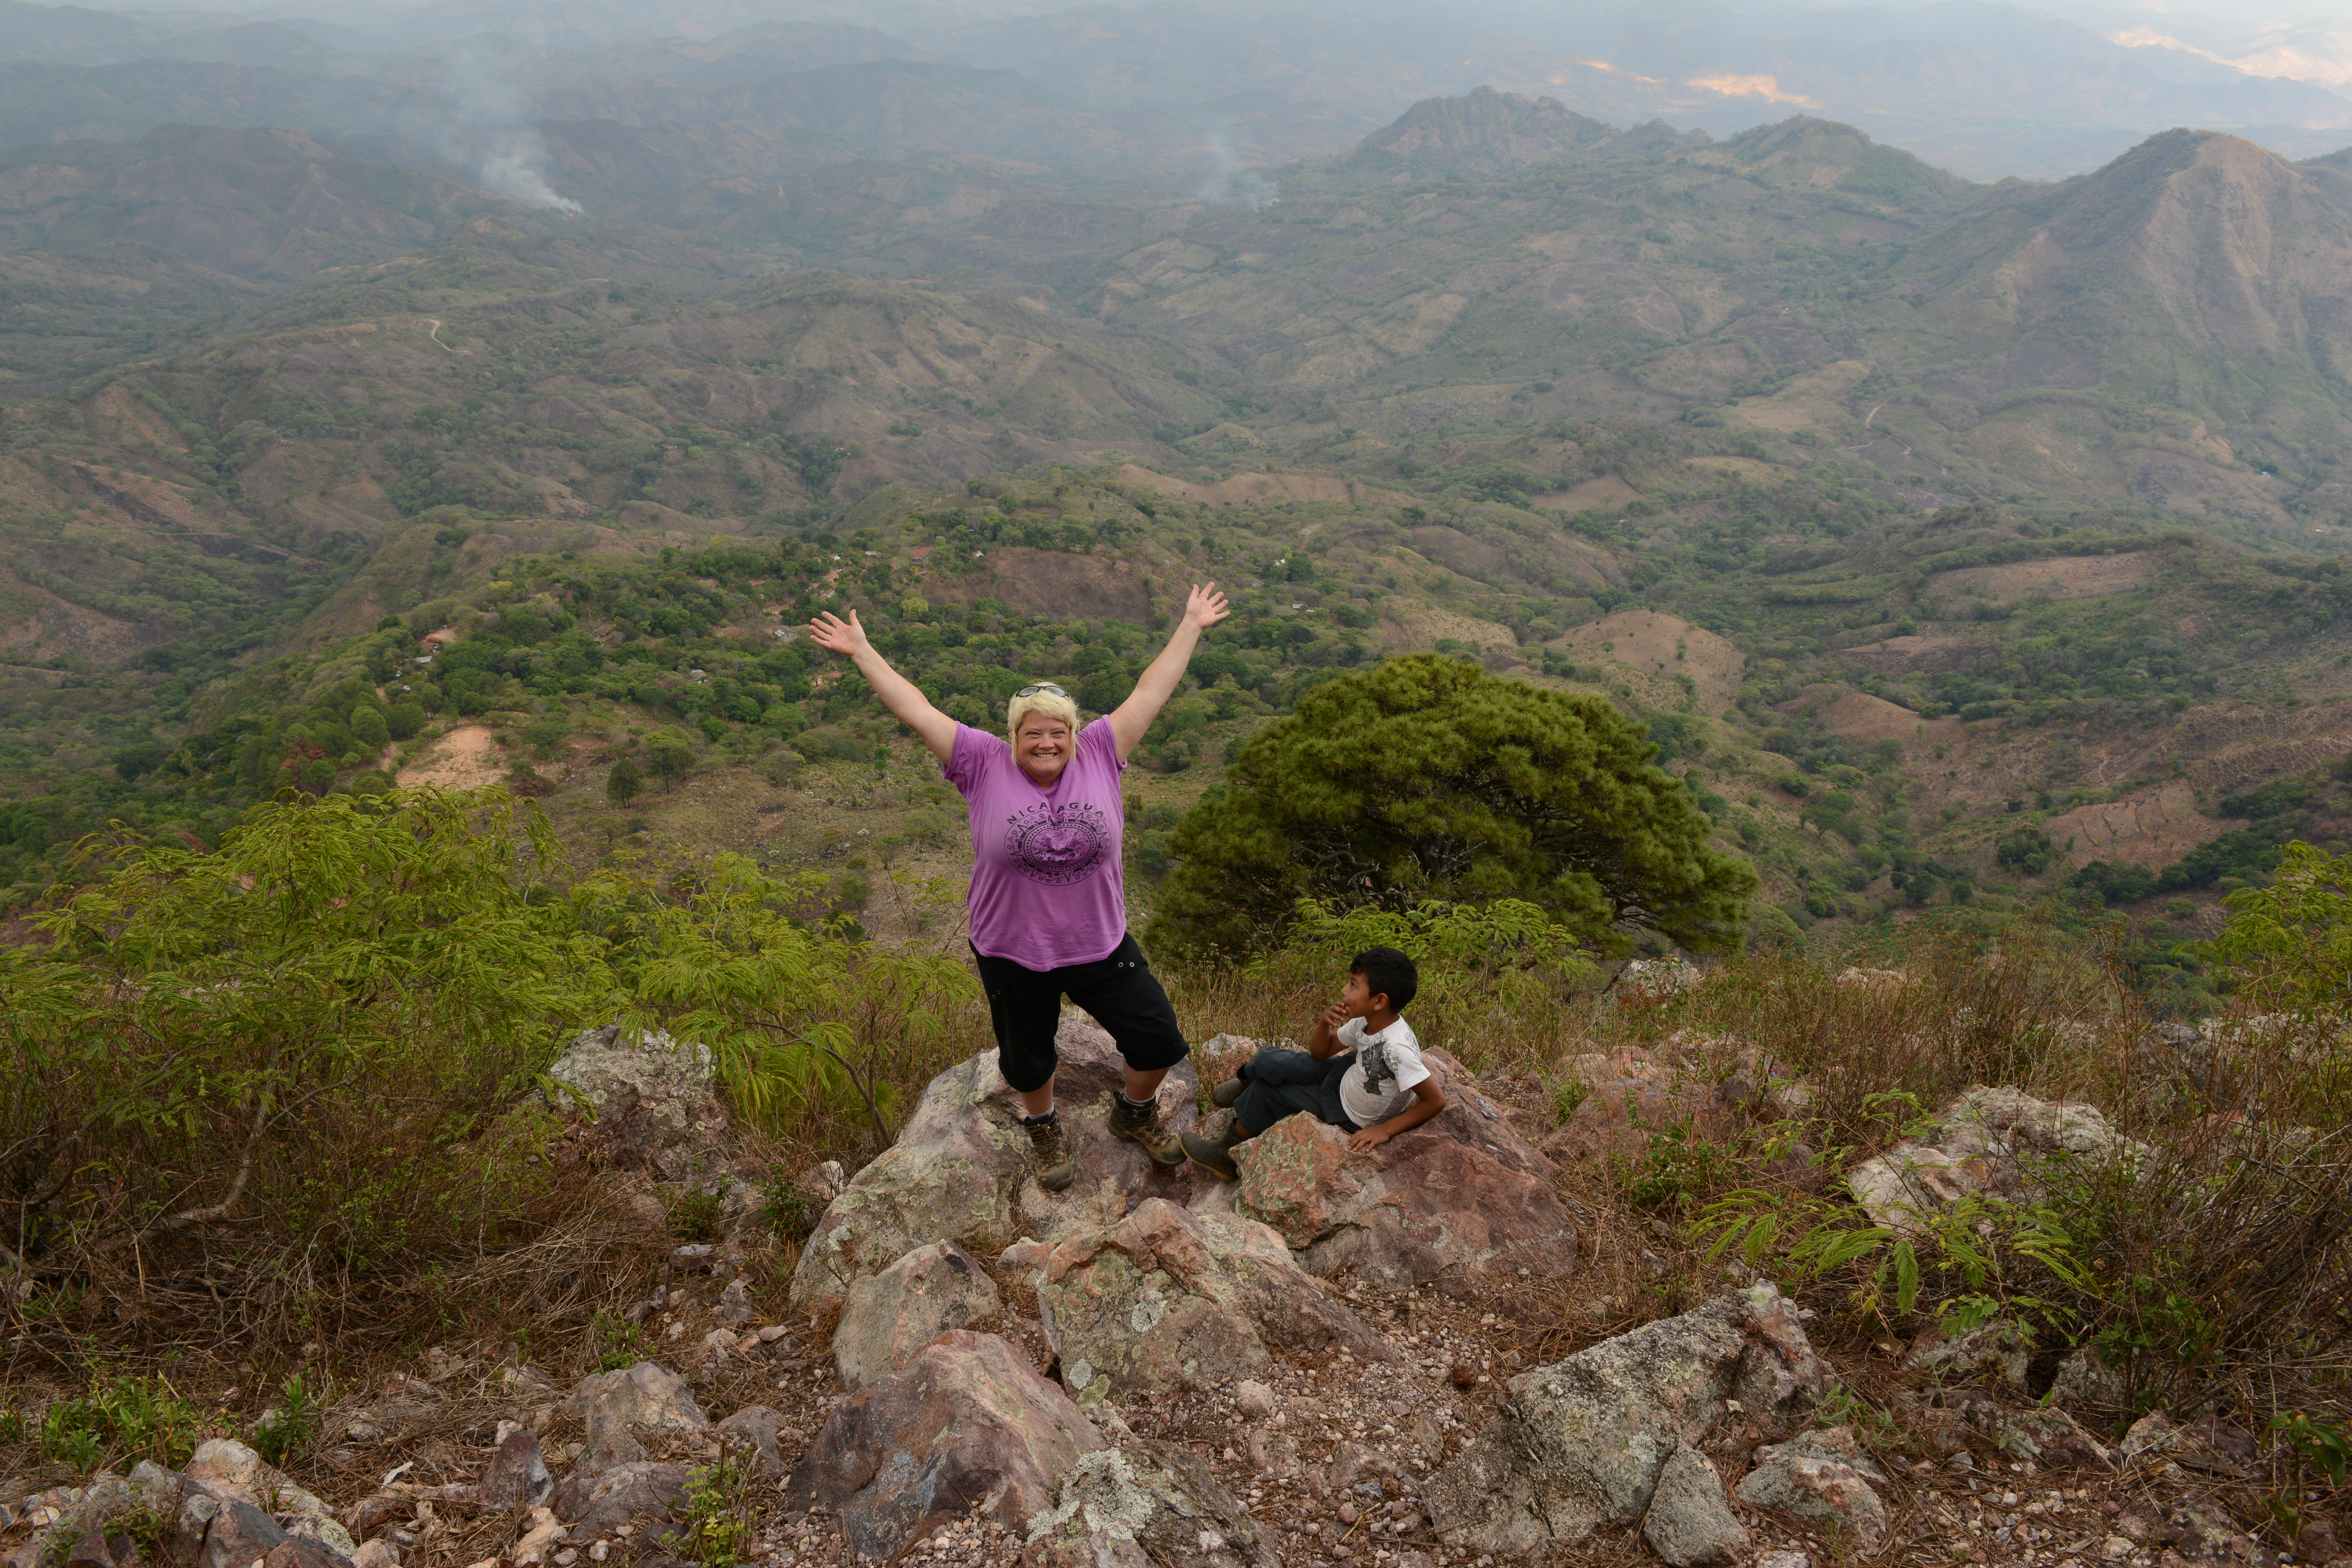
[1428, 778]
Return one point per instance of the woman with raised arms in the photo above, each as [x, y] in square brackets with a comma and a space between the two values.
[1048, 902]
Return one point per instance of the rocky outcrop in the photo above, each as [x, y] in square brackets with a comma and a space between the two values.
[889, 1317]
[1149, 1505]
[968, 1423]
[1581, 1443]
[1998, 1141]
[1823, 1476]
[1461, 1194]
[1168, 1299]
[962, 1160]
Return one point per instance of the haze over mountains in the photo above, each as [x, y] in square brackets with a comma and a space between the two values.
[1805, 381]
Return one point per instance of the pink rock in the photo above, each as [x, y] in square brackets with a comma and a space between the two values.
[1462, 1193]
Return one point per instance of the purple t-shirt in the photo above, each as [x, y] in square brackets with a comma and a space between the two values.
[1046, 889]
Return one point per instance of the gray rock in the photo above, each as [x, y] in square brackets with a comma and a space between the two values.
[653, 1099]
[1153, 1505]
[753, 1431]
[1690, 1522]
[1579, 1443]
[616, 1406]
[968, 1424]
[888, 1317]
[2206, 1444]
[1170, 1299]
[962, 1159]
[1996, 1140]
[229, 1469]
[735, 1303]
[62, 1516]
[1996, 1353]
[2085, 1381]
[517, 1476]
[637, 1493]
[2044, 1434]
[1821, 1476]
[214, 1533]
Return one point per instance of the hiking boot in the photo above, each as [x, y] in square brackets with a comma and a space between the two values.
[1142, 1124]
[1228, 1094]
[1049, 1153]
[1214, 1155]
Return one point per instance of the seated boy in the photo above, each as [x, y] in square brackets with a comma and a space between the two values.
[1376, 1089]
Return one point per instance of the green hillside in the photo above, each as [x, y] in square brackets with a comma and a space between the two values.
[1722, 431]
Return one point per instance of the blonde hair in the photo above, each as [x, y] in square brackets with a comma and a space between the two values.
[1053, 704]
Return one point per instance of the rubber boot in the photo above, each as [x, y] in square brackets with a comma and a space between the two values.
[1214, 1155]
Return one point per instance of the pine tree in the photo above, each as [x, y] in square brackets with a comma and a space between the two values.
[1428, 778]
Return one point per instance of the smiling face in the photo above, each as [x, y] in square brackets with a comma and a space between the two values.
[1042, 745]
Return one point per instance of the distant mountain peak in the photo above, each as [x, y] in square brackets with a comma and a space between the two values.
[1483, 132]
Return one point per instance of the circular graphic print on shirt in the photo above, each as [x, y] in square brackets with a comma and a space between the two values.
[1056, 845]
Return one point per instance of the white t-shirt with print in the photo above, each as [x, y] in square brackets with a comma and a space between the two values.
[1379, 1083]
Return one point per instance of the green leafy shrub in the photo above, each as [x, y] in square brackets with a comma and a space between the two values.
[309, 1032]
[287, 1430]
[697, 1213]
[619, 1344]
[720, 1516]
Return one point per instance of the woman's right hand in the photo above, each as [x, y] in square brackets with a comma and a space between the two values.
[834, 635]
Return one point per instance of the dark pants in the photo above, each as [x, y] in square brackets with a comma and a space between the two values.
[1284, 1083]
[1024, 1008]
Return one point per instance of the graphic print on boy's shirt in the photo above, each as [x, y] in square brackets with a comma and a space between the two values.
[1380, 1082]
[1056, 845]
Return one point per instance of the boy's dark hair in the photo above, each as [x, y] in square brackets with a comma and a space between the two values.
[1387, 972]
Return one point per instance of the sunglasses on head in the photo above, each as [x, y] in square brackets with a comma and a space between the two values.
[1041, 686]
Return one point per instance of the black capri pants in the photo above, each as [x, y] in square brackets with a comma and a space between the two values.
[1024, 1008]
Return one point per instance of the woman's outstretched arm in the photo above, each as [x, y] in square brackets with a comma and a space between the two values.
[1204, 608]
[899, 694]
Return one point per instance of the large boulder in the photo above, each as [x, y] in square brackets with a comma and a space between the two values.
[1151, 1505]
[2000, 1141]
[655, 1102]
[1581, 1443]
[962, 1161]
[1823, 1476]
[890, 1317]
[1461, 1194]
[968, 1423]
[1169, 1299]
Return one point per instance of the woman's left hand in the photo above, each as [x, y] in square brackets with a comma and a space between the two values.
[1204, 607]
